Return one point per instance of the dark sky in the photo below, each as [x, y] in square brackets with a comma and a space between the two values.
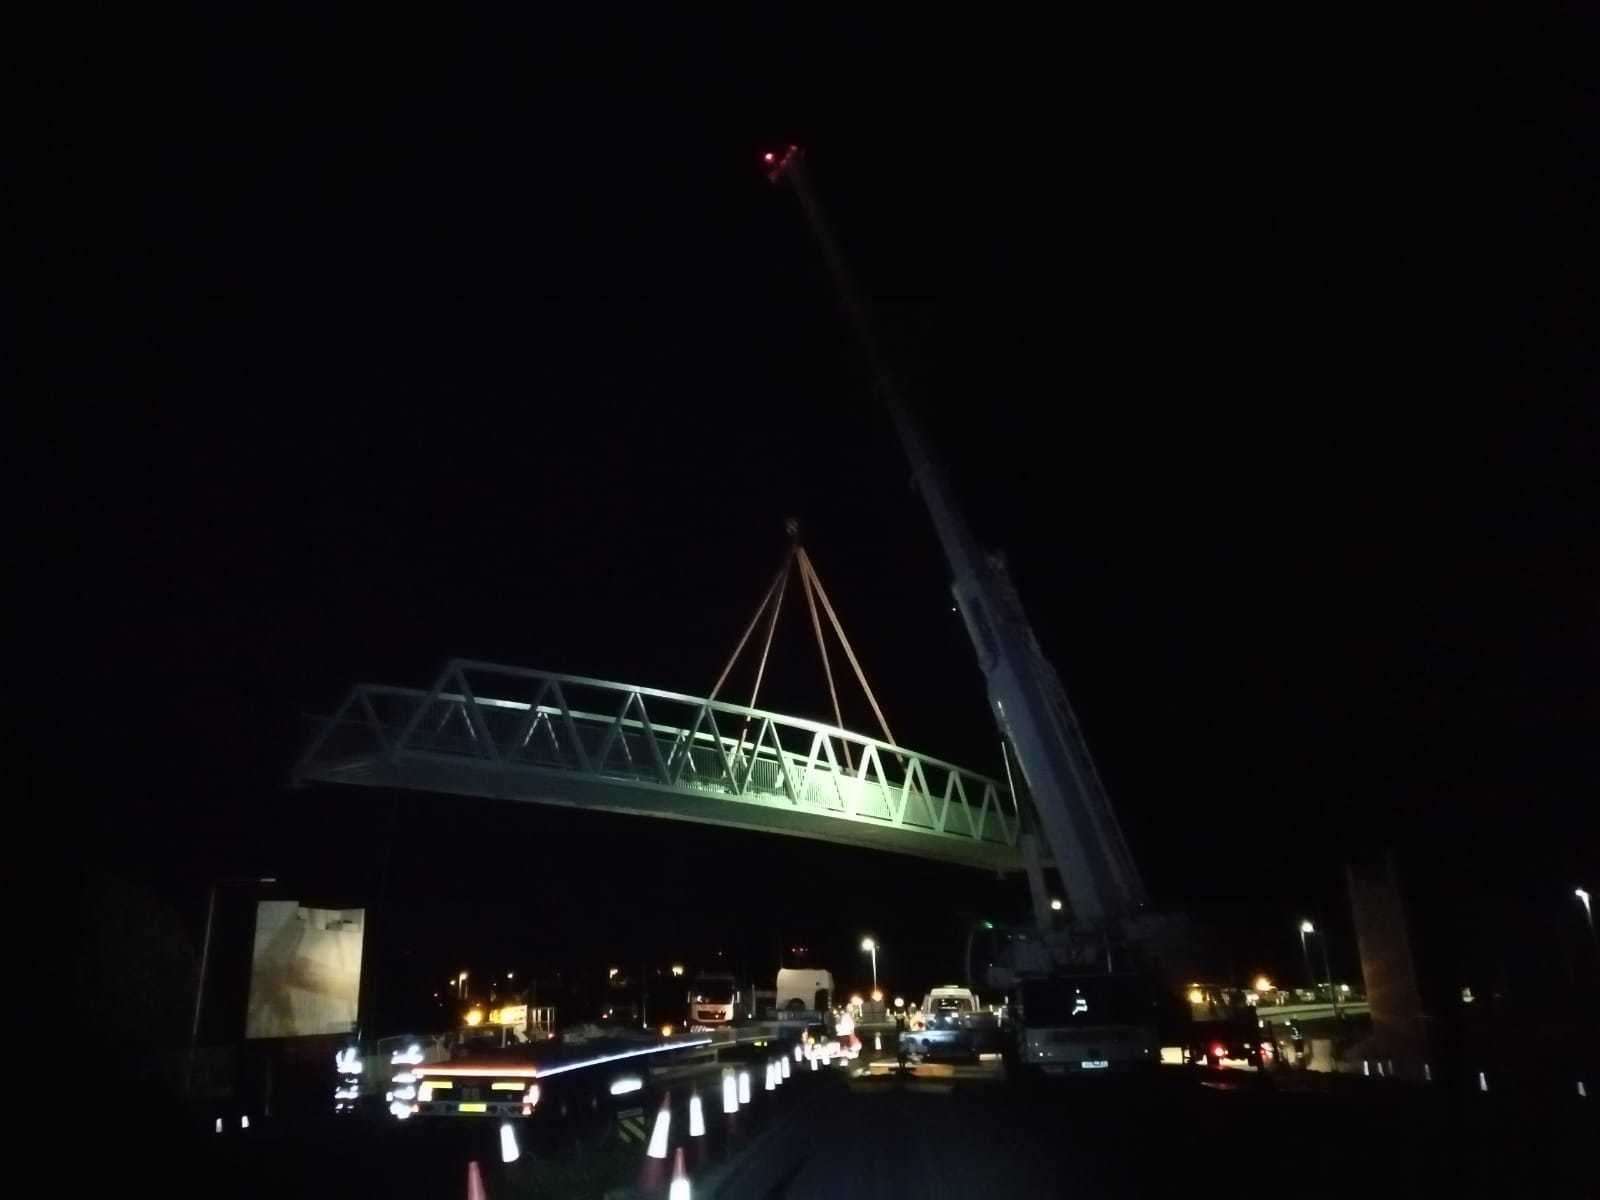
[1265, 352]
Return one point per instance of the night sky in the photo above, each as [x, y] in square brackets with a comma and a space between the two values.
[1264, 353]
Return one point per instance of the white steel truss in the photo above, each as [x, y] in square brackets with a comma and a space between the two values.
[485, 729]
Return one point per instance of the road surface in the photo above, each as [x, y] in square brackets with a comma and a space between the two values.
[948, 1131]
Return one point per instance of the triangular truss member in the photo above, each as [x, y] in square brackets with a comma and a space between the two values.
[618, 735]
[872, 796]
[686, 763]
[821, 744]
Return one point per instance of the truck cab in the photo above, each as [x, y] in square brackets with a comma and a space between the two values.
[1089, 1025]
[713, 1000]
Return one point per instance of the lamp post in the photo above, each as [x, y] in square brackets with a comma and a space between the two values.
[1305, 928]
[205, 958]
[1327, 969]
[1588, 912]
[871, 947]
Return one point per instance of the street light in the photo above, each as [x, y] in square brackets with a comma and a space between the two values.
[871, 947]
[1305, 928]
[1333, 994]
[1589, 913]
[1055, 905]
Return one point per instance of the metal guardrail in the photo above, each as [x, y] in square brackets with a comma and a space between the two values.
[490, 730]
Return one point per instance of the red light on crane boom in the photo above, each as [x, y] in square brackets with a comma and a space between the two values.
[777, 163]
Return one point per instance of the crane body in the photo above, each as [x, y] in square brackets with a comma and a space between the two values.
[1076, 821]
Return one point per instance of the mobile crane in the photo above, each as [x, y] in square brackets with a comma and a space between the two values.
[1108, 927]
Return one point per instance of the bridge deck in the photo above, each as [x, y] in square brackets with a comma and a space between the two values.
[518, 734]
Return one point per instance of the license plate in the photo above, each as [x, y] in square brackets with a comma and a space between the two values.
[1094, 1064]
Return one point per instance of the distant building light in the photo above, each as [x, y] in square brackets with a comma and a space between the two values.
[1263, 984]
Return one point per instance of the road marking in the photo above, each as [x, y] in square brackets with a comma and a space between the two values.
[630, 1124]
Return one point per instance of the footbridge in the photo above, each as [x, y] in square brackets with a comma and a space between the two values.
[511, 733]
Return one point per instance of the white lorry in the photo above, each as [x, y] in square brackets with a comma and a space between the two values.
[803, 990]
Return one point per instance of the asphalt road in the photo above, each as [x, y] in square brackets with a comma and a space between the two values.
[956, 1132]
[967, 1137]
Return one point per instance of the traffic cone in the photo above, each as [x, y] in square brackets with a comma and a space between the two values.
[1483, 1082]
[783, 1064]
[877, 1043]
[475, 1182]
[697, 1119]
[679, 1189]
[662, 1130]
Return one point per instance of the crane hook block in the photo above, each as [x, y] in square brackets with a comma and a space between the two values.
[776, 162]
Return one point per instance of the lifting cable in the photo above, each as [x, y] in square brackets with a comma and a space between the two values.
[811, 583]
[810, 574]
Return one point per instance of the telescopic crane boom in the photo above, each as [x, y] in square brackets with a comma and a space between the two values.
[1079, 827]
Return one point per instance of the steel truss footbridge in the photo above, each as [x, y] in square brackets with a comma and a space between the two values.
[512, 733]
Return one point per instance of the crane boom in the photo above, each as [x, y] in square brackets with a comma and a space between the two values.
[1078, 824]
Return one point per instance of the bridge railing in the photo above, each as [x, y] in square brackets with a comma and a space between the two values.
[517, 719]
